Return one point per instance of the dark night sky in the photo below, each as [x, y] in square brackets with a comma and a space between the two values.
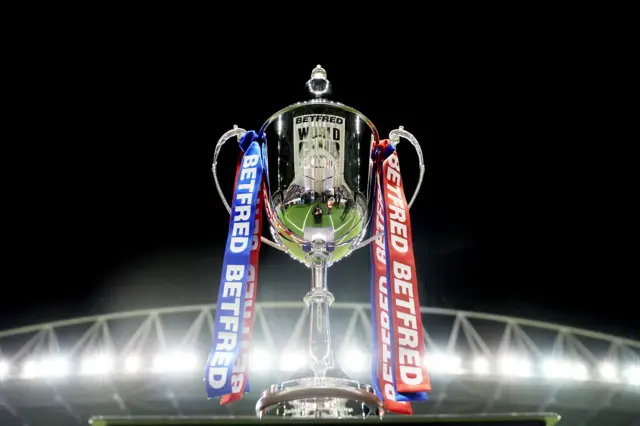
[110, 203]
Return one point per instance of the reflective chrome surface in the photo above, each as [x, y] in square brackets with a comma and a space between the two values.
[318, 176]
[313, 398]
[318, 204]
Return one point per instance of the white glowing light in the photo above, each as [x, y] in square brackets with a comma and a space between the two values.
[97, 365]
[291, 361]
[514, 366]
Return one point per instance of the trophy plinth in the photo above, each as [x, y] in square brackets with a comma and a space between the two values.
[313, 398]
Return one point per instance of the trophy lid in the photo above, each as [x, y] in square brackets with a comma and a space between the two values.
[318, 86]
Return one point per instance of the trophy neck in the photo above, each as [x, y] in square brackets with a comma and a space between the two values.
[319, 299]
[319, 262]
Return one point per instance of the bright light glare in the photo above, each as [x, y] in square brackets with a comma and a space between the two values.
[556, 369]
[261, 360]
[354, 360]
[291, 361]
[174, 362]
[578, 371]
[633, 375]
[97, 365]
[184, 361]
[561, 369]
[4, 369]
[48, 367]
[515, 367]
[608, 372]
[481, 366]
[132, 364]
[444, 363]
[53, 367]
[29, 369]
[161, 363]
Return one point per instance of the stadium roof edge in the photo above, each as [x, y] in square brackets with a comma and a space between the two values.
[337, 305]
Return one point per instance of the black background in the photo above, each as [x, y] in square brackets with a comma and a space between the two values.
[110, 203]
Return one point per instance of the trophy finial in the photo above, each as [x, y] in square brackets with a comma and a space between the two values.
[318, 86]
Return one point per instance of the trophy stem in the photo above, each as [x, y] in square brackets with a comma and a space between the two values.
[318, 300]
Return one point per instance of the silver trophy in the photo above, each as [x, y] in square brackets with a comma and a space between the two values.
[320, 190]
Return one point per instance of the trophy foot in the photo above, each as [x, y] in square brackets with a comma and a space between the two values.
[319, 398]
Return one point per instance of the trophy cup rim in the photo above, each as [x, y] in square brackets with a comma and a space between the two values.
[321, 102]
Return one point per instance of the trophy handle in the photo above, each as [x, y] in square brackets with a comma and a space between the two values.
[238, 133]
[395, 136]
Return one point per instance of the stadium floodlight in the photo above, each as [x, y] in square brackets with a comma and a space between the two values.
[578, 371]
[161, 363]
[514, 366]
[556, 368]
[183, 361]
[30, 369]
[178, 361]
[55, 366]
[444, 363]
[292, 360]
[632, 375]
[609, 372]
[50, 367]
[132, 364]
[4, 369]
[353, 360]
[97, 365]
[481, 366]
[261, 360]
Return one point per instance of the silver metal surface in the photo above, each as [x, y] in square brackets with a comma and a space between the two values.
[319, 398]
[395, 136]
[319, 299]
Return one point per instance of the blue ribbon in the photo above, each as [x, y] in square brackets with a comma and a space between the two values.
[227, 332]
[374, 318]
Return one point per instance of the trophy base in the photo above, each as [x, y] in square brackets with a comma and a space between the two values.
[319, 398]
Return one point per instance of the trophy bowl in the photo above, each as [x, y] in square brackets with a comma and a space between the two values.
[318, 191]
[321, 152]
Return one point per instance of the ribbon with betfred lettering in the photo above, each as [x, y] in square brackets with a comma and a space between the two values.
[400, 343]
[226, 372]
[381, 367]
